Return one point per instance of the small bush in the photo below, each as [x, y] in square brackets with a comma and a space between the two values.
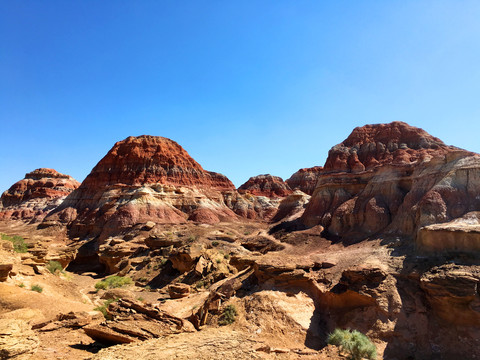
[219, 261]
[192, 238]
[200, 284]
[226, 256]
[113, 282]
[22, 285]
[356, 344]
[214, 243]
[104, 307]
[53, 266]
[228, 315]
[36, 288]
[19, 245]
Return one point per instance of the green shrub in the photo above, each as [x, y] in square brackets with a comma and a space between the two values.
[18, 242]
[22, 285]
[214, 243]
[53, 266]
[228, 315]
[113, 282]
[104, 307]
[356, 344]
[36, 288]
[200, 284]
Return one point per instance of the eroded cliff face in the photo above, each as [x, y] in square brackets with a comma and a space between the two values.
[265, 185]
[393, 178]
[145, 178]
[34, 196]
[305, 179]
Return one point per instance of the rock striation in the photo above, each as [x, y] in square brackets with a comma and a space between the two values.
[266, 185]
[142, 179]
[34, 196]
[305, 179]
[392, 178]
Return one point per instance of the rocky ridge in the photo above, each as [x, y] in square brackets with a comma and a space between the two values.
[305, 179]
[265, 185]
[392, 178]
[141, 179]
[34, 196]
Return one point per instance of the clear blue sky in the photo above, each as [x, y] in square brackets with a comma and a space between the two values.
[246, 87]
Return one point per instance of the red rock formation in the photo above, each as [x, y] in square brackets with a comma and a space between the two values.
[370, 146]
[305, 179]
[38, 193]
[393, 178]
[265, 185]
[145, 178]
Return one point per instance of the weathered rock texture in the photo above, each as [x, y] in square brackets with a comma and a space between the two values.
[461, 235]
[305, 179]
[393, 178]
[265, 185]
[133, 320]
[17, 340]
[141, 179]
[38, 193]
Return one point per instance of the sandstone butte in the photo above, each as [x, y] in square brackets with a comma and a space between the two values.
[144, 178]
[34, 196]
[265, 185]
[305, 179]
[392, 179]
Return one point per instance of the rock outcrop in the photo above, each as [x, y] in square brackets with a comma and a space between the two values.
[17, 340]
[133, 321]
[34, 196]
[265, 185]
[460, 235]
[305, 179]
[392, 178]
[142, 179]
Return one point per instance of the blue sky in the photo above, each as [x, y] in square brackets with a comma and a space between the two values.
[246, 87]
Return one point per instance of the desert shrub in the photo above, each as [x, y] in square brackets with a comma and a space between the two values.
[200, 284]
[53, 266]
[104, 307]
[192, 238]
[356, 344]
[214, 243]
[219, 261]
[18, 242]
[36, 288]
[113, 282]
[22, 285]
[226, 256]
[228, 315]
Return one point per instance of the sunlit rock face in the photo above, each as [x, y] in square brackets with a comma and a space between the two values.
[393, 178]
[266, 185]
[305, 179]
[34, 196]
[141, 179]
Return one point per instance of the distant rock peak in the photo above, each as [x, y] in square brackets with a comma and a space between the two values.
[266, 185]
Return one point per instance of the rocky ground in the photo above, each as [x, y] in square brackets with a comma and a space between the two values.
[382, 239]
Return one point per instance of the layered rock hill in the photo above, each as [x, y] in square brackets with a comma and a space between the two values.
[393, 178]
[305, 179]
[265, 185]
[141, 179]
[34, 196]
